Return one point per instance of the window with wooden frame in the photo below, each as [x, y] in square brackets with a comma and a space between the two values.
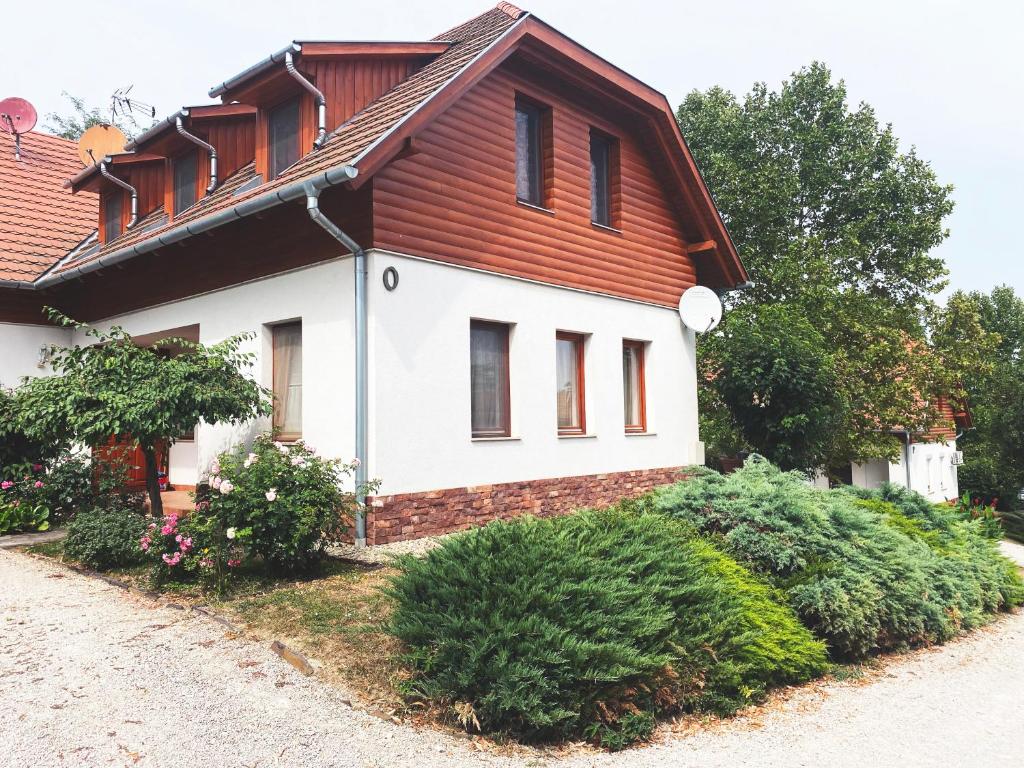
[185, 170]
[490, 396]
[570, 387]
[533, 152]
[113, 213]
[287, 380]
[604, 179]
[283, 137]
[633, 386]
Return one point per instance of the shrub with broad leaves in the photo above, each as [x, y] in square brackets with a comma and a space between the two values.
[106, 537]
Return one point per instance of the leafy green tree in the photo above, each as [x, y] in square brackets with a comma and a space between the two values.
[832, 218]
[112, 386]
[82, 117]
[994, 449]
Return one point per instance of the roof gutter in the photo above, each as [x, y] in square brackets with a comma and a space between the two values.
[125, 186]
[163, 125]
[296, 190]
[272, 60]
[318, 96]
[210, 150]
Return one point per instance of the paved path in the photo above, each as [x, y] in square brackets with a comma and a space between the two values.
[90, 676]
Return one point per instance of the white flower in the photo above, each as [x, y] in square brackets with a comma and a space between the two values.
[297, 461]
[272, 494]
[251, 459]
[226, 487]
[215, 467]
[282, 447]
[215, 482]
[356, 462]
[230, 533]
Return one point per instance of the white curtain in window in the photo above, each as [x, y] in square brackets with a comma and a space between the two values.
[568, 379]
[489, 378]
[288, 379]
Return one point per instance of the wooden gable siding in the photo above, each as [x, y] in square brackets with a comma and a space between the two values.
[349, 84]
[281, 239]
[454, 200]
[235, 142]
[148, 180]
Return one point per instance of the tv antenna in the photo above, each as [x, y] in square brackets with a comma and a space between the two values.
[17, 116]
[124, 105]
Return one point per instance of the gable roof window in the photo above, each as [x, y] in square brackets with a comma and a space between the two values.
[185, 172]
[283, 137]
[533, 134]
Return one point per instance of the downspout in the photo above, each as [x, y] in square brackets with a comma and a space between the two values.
[906, 454]
[211, 151]
[126, 186]
[362, 365]
[321, 102]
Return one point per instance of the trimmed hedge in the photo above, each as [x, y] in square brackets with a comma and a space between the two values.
[591, 624]
[865, 570]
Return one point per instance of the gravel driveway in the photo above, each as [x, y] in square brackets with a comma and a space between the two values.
[90, 676]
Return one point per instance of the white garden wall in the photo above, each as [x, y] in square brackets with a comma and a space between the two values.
[420, 380]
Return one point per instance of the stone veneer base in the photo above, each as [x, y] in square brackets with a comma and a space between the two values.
[430, 513]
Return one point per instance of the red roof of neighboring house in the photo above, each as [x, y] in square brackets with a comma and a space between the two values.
[374, 135]
[40, 220]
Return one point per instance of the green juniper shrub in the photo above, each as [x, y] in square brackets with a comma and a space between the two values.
[106, 537]
[865, 570]
[591, 624]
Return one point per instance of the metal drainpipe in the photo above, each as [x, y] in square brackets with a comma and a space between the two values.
[906, 453]
[211, 151]
[321, 102]
[126, 186]
[362, 365]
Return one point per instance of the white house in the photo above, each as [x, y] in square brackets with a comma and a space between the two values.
[459, 259]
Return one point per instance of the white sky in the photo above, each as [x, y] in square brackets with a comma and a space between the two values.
[948, 74]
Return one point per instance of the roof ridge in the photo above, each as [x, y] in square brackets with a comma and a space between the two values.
[512, 10]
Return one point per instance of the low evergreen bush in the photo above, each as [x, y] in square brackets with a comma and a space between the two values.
[865, 570]
[106, 537]
[591, 624]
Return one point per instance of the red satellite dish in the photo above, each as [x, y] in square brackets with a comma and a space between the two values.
[17, 115]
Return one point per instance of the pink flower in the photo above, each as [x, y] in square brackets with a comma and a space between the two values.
[151, 526]
[178, 538]
[144, 542]
[215, 467]
[297, 461]
[234, 563]
[251, 459]
[206, 562]
[37, 467]
[272, 494]
[282, 447]
[226, 487]
[6, 484]
[170, 525]
[172, 560]
[356, 462]
[186, 545]
[215, 482]
[39, 483]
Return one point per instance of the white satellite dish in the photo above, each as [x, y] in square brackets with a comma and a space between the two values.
[700, 309]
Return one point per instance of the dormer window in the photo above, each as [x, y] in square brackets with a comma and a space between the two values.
[112, 210]
[185, 171]
[283, 138]
[533, 153]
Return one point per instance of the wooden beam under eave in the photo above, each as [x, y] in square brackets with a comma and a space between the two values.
[706, 245]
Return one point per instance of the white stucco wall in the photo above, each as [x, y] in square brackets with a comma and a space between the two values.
[319, 296]
[932, 473]
[19, 350]
[420, 380]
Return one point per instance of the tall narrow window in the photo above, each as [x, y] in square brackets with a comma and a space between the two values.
[634, 407]
[489, 381]
[288, 381]
[529, 153]
[112, 209]
[185, 170]
[600, 180]
[569, 367]
[283, 139]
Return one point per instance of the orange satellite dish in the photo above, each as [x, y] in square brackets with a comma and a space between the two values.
[98, 142]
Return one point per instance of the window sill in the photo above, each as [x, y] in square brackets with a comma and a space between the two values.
[576, 437]
[499, 439]
[641, 434]
[532, 207]
[606, 228]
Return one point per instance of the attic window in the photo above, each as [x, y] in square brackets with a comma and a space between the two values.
[112, 210]
[283, 137]
[185, 170]
[533, 137]
[604, 178]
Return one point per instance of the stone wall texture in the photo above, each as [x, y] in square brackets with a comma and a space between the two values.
[430, 513]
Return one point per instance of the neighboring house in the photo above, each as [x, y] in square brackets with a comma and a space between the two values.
[927, 462]
[527, 216]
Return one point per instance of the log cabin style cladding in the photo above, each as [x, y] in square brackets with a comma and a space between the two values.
[455, 200]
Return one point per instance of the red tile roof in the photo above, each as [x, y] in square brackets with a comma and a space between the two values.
[40, 220]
